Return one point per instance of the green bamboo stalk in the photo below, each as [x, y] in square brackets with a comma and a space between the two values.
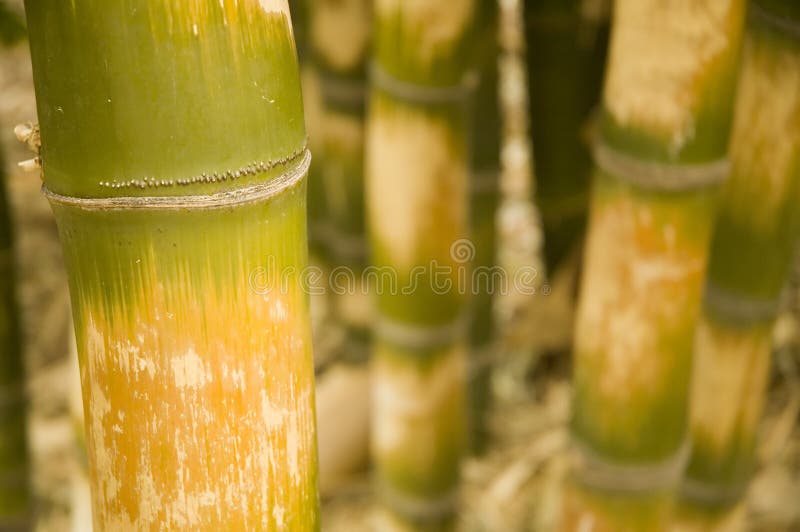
[417, 198]
[11, 28]
[751, 258]
[660, 156]
[484, 197]
[566, 49]
[15, 499]
[340, 35]
[175, 165]
[419, 428]
[312, 104]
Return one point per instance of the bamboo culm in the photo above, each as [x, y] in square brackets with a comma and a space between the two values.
[15, 494]
[175, 164]
[751, 257]
[417, 211]
[660, 156]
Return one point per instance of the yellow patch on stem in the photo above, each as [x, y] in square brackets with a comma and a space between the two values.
[641, 278]
[765, 145]
[660, 57]
[729, 381]
[416, 407]
[412, 164]
[340, 31]
[199, 408]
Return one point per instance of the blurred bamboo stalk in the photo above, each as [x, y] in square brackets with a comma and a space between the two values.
[339, 37]
[417, 201]
[312, 104]
[484, 198]
[15, 499]
[174, 157]
[750, 264]
[567, 44]
[660, 156]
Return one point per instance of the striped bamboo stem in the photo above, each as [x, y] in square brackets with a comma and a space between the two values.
[751, 257]
[15, 500]
[660, 156]
[417, 198]
[566, 45]
[484, 198]
[173, 153]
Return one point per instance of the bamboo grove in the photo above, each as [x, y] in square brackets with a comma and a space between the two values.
[176, 154]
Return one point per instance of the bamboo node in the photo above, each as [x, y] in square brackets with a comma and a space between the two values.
[417, 336]
[701, 492]
[249, 194]
[598, 472]
[660, 176]
[249, 169]
[740, 309]
[423, 93]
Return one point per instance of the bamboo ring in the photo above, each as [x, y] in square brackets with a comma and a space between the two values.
[249, 194]
[414, 92]
[660, 176]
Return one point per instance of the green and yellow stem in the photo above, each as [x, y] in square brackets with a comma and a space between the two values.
[191, 321]
[660, 156]
[419, 428]
[15, 500]
[751, 258]
[417, 193]
[566, 49]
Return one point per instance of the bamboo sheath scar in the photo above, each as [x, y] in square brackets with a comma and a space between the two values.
[417, 210]
[660, 157]
[175, 165]
[751, 255]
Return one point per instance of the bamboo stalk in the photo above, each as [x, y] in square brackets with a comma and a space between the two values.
[15, 499]
[484, 198]
[175, 165]
[417, 197]
[339, 38]
[660, 156]
[11, 28]
[751, 258]
[566, 45]
[340, 34]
